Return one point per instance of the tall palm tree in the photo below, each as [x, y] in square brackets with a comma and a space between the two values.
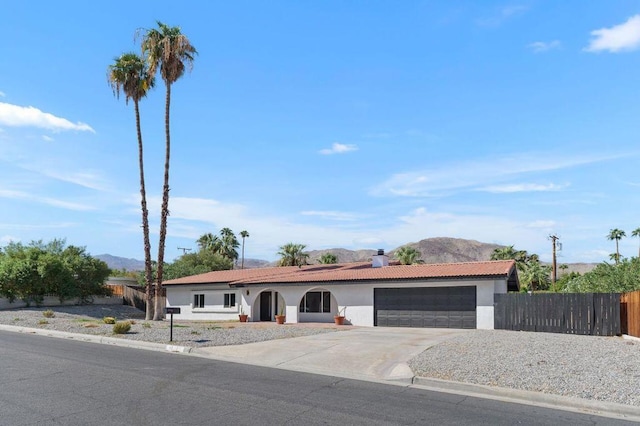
[209, 242]
[636, 233]
[171, 52]
[293, 255]
[243, 234]
[229, 244]
[407, 255]
[129, 73]
[509, 253]
[616, 234]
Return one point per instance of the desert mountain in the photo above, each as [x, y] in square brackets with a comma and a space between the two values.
[434, 250]
[115, 262]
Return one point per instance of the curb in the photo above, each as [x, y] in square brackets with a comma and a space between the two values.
[114, 341]
[559, 402]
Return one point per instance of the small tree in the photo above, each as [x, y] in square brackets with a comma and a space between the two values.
[328, 259]
[407, 255]
[293, 255]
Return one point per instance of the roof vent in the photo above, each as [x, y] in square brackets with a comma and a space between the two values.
[380, 260]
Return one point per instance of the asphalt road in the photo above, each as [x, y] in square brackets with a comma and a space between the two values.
[47, 381]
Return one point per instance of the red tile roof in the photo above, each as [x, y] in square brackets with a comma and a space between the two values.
[352, 272]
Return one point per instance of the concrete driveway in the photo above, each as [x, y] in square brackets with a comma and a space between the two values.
[377, 353]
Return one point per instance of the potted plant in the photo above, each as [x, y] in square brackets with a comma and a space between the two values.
[243, 317]
[280, 318]
[339, 317]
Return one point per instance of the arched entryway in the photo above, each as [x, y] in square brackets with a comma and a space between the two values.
[267, 305]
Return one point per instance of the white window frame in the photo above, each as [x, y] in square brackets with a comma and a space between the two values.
[198, 301]
[303, 302]
[231, 297]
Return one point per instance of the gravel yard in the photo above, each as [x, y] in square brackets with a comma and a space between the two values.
[590, 367]
[88, 320]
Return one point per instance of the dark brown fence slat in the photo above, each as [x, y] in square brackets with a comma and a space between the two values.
[574, 313]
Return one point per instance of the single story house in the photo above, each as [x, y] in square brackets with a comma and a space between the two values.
[377, 293]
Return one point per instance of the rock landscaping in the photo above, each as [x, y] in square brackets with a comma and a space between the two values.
[589, 367]
[100, 320]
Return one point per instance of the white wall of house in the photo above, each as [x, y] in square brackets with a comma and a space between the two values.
[354, 301]
[213, 298]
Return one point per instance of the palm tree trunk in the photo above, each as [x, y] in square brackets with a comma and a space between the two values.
[617, 252]
[164, 212]
[145, 218]
[242, 265]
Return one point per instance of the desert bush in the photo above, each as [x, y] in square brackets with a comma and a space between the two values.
[121, 327]
[43, 322]
[146, 325]
[109, 320]
[48, 313]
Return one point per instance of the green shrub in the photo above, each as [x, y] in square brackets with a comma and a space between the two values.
[121, 327]
[48, 313]
[43, 322]
[146, 325]
[109, 320]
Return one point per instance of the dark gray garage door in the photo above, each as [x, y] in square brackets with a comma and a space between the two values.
[441, 307]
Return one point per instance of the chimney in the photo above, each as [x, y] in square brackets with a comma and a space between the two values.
[380, 259]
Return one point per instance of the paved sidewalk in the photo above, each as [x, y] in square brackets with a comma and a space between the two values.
[373, 353]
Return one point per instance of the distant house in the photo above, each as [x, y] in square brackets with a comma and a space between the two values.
[452, 295]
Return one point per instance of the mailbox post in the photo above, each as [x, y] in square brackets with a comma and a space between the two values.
[171, 311]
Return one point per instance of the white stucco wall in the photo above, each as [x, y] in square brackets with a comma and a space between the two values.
[356, 300]
[183, 297]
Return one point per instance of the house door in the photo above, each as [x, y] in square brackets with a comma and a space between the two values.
[265, 306]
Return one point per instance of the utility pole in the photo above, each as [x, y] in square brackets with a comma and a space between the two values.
[554, 240]
[184, 249]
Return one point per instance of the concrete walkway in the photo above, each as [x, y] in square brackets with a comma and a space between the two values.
[374, 353]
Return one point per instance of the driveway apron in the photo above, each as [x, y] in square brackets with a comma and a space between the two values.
[376, 353]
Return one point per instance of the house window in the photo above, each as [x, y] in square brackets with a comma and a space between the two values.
[198, 300]
[316, 301]
[229, 300]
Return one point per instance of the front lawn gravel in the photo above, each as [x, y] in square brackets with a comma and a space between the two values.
[88, 320]
[590, 367]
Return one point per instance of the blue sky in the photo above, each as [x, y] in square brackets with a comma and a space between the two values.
[359, 124]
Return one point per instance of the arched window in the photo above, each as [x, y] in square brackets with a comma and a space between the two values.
[316, 301]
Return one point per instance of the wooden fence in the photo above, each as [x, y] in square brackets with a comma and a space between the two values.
[134, 295]
[630, 313]
[573, 313]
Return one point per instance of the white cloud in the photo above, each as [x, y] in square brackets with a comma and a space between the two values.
[522, 187]
[542, 46]
[47, 138]
[338, 148]
[330, 215]
[2, 95]
[86, 178]
[622, 37]
[502, 15]
[20, 195]
[477, 174]
[18, 116]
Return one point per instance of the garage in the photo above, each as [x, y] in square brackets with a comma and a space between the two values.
[437, 307]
